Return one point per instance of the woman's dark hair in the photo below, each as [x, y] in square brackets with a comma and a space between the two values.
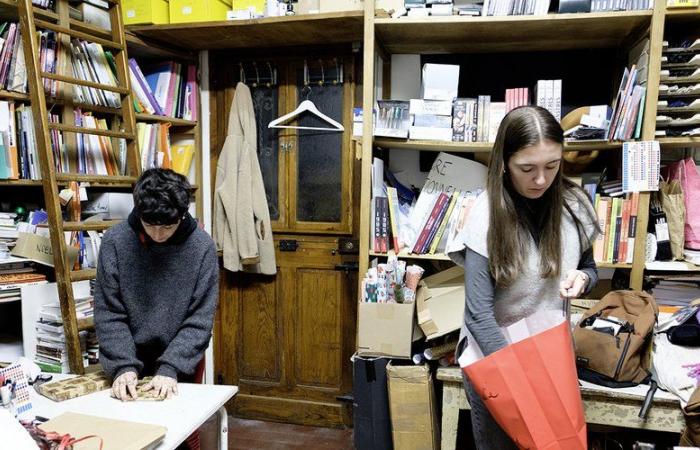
[161, 196]
[508, 238]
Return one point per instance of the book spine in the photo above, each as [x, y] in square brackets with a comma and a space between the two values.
[435, 226]
[632, 232]
[425, 232]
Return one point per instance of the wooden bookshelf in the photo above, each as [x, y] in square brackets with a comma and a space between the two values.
[151, 118]
[458, 34]
[682, 15]
[269, 32]
[20, 183]
[478, 147]
[9, 95]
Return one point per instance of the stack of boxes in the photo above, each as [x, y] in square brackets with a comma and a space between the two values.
[158, 12]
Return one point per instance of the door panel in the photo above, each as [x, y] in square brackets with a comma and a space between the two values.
[260, 340]
[295, 336]
[318, 331]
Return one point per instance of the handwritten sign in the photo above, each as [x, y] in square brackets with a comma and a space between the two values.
[450, 173]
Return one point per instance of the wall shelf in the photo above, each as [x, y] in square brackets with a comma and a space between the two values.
[269, 32]
[458, 34]
[479, 147]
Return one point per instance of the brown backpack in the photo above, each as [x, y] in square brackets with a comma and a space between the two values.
[617, 353]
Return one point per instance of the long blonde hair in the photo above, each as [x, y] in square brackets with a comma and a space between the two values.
[508, 239]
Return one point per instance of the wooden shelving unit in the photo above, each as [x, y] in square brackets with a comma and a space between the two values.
[551, 32]
[269, 32]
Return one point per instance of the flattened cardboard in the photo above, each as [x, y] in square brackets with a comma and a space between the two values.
[440, 302]
[115, 434]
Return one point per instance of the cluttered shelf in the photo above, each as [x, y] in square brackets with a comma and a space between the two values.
[459, 34]
[474, 147]
[136, 45]
[433, 257]
[268, 32]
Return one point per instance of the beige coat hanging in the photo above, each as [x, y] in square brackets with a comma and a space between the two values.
[241, 218]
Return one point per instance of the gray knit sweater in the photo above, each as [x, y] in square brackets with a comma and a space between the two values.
[154, 303]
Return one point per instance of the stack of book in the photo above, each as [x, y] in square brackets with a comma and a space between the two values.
[620, 5]
[51, 353]
[628, 108]
[515, 7]
[617, 218]
[15, 273]
[13, 76]
[435, 219]
[96, 155]
[548, 94]
[167, 89]
[679, 91]
[8, 229]
[91, 62]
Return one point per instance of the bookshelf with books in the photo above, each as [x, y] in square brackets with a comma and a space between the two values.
[443, 39]
[99, 159]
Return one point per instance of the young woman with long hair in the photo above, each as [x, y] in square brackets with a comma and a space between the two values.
[527, 244]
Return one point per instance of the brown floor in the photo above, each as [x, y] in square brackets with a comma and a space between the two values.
[256, 434]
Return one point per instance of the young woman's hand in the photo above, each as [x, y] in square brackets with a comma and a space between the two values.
[124, 386]
[166, 387]
[574, 285]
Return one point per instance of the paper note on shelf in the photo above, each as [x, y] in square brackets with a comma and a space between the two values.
[641, 163]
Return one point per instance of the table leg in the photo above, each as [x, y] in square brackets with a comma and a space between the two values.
[223, 428]
[450, 415]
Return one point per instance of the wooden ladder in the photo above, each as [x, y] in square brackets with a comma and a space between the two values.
[123, 127]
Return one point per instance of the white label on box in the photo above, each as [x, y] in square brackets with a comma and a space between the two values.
[130, 13]
[187, 10]
[438, 107]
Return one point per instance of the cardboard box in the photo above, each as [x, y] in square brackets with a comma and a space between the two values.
[186, 11]
[440, 107]
[412, 407]
[145, 12]
[440, 82]
[38, 249]
[257, 6]
[385, 329]
[440, 302]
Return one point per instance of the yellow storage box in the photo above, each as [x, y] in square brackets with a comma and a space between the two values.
[145, 12]
[257, 5]
[184, 11]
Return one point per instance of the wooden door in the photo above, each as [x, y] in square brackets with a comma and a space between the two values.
[286, 340]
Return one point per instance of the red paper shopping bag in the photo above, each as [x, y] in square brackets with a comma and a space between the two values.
[531, 389]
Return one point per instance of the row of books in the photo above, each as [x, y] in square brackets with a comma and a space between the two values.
[478, 119]
[91, 62]
[427, 225]
[157, 149]
[13, 74]
[617, 218]
[97, 155]
[165, 89]
[513, 7]
[18, 151]
[628, 108]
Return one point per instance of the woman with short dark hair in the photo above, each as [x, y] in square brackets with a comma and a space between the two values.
[156, 290]
[528, 244]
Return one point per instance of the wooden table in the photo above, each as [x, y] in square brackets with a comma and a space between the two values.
[601, 407]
